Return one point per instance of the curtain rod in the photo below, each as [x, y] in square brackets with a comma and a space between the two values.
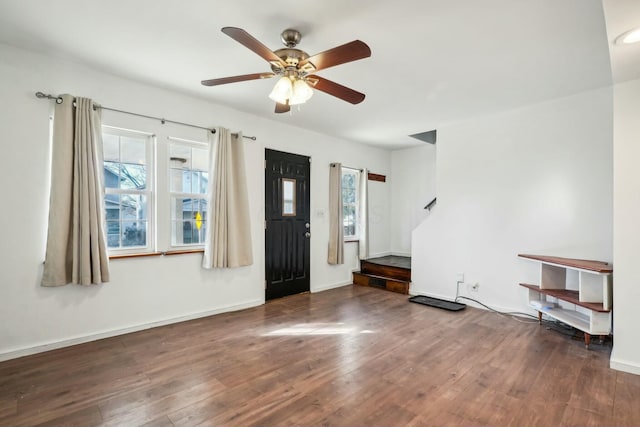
[58, 100]
[347, 167]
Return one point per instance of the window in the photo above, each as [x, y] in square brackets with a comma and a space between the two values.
[155, 191]
[189, 180]
[350, 183]
[288, 197]
[128, 189]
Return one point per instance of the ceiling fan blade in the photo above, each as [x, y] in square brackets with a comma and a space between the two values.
[335, 89]
[282, 108]
[234, 79]
[246, 39]
[338, 55]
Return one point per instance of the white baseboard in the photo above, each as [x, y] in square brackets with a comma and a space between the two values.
[407, 254]
[380, 254]
[502, 309]
[414, 292]
[622, 365]
[333, 286]
[26, 351]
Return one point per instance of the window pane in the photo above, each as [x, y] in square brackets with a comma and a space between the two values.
[134, 233]
[288, 196]
[348, 196]
[204, 182]
[111, 175]
[175, 180]
[133, 176]
[126, 220]
[113, 234]
[195, 182]
[349, 220]
[348, 180]
[178, 207]
[186, 181]
[133, 150]
[133, 207]
[110, 147]
[200, 158]
[188, 217]
[112, 206]
[180, 181]
[180, 156]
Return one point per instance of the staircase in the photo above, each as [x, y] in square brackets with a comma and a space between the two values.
[392, 273]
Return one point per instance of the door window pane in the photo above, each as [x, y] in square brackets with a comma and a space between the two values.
[288, 197]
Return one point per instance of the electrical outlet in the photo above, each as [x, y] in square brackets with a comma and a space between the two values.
[460, 277]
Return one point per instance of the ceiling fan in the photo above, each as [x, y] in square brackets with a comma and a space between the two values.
[296, 68]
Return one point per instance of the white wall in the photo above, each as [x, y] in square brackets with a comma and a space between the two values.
[143, 290]
[537, 179]
[413, 185]
[626, 229]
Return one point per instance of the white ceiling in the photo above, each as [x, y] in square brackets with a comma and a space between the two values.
[622, 16]
[432, 62]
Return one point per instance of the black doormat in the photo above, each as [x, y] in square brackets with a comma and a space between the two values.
[438, 303]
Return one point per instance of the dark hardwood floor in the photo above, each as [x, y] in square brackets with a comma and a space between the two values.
[352, 356]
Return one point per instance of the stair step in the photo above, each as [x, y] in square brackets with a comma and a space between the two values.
[392, 272]
[382, 282]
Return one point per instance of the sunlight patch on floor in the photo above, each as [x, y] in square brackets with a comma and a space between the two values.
[317, 329]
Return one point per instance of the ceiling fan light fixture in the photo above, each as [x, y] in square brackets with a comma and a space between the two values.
[282, 91]
[629, 37]
[301, 92]
[295, 69]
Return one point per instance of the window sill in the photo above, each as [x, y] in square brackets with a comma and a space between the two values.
[183, 251]
[150, 254]
[138, 255]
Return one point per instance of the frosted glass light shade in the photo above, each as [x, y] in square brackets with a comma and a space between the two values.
[629, 37]
[282, 91]
[301, 92]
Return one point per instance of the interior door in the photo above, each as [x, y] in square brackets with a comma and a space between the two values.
[287, 225]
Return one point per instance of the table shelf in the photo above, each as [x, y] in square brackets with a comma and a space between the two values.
[587, 309]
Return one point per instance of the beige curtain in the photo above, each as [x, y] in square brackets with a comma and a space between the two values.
[363, 214]
[228, 239]
[336, 228]
[76, 245]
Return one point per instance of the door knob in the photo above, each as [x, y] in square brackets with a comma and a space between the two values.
[307, 234]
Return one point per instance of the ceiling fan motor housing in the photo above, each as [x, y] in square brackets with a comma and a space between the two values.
[291, 56]
[290, 37]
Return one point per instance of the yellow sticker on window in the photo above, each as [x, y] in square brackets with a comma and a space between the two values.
[198, 221]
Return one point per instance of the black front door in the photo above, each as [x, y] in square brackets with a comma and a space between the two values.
[287, 226]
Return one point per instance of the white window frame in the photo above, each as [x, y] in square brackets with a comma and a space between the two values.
[356, 204]
[149, 190]
[175, 194]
